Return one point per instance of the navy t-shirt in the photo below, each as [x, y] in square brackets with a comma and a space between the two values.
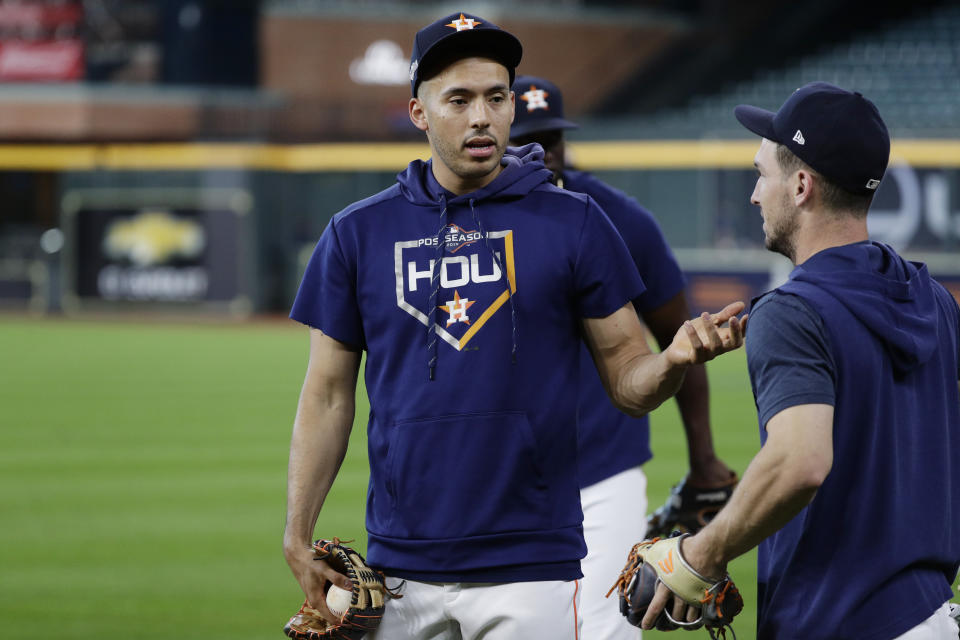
[611, 441]
[788, 357]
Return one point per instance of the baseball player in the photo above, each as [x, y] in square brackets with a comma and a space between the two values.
[469, 284]
[854, 497]
[612, 445]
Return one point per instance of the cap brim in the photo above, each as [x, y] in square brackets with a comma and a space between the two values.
[495, 44]
[759, 121]
[540, 124]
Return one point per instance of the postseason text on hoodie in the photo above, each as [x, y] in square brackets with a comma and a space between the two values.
[473, 472]
[873, 555]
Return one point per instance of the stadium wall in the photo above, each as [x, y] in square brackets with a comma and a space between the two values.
[253, 212]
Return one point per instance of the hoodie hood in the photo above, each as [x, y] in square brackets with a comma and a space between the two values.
[892, 297]
[523, 172]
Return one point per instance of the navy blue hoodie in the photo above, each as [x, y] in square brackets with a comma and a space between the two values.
[470, 310]
[875, 552]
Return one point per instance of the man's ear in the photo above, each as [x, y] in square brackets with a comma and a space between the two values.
[417, 114]
[803, 184]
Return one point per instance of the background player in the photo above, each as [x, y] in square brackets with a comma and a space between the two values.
[469, 285]
[613, 445]
[854, 497]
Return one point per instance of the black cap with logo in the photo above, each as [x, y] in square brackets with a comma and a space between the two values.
[839, 133]
[539, 107]
[460, 35]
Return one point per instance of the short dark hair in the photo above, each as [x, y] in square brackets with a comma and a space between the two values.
[835, 197]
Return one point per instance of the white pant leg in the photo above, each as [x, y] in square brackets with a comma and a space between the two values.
[547, 610]
[419, 615]
[484, 611]
[614, 519]
[939, 626]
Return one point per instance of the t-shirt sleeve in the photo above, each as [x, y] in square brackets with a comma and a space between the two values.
[605, 277]
[652, 255]
[788, 356]
[327, 298]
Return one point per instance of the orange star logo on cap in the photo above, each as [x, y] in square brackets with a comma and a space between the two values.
[535, 99]
[463, 23]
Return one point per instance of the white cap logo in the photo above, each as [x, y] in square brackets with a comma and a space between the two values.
[798, 137]
[535, 99]
[873, 183]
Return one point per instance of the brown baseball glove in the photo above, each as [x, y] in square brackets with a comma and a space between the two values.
[366, 606]
[659, 560]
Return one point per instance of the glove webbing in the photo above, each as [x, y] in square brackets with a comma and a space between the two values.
[365, 577]
[689, 592]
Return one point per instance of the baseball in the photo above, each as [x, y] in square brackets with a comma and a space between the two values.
[338, 600]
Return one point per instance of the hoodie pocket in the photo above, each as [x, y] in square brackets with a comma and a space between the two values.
[466, 475]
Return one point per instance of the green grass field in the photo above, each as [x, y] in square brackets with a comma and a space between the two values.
[142, 477]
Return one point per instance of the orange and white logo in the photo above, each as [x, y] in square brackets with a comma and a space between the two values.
[464, 23]
[667, 563]
[535, 99]
[457, 308]
[470, 279]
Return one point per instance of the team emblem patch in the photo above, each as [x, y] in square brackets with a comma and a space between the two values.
[535, 99]
[456, 238]
[464, 23]
[457, 308]
[472, 285]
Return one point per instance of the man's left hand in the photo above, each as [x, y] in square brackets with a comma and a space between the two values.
[705, 338]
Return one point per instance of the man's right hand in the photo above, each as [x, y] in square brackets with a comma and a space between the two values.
[313, 573]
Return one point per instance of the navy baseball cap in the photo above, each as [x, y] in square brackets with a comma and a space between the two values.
[539, 107]
[460, 35]
[839, 133]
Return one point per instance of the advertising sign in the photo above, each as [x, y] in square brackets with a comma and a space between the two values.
[41, 61]
[156, 247]
[40, 40]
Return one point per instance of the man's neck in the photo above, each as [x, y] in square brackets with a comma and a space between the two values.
[827, 233]
[458, 185]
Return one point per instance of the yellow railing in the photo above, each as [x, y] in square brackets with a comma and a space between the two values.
[662, 154]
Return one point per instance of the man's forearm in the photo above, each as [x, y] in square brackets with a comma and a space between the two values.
[693, 401]
[319, 443]
[693, 396]
[647, 382]
[706, 470]
[781, 480]
[766, 499]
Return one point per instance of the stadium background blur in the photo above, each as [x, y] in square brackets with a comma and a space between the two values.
[167, 166]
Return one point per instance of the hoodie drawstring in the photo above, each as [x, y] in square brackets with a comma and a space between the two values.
[503, 273]
[432, 308]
